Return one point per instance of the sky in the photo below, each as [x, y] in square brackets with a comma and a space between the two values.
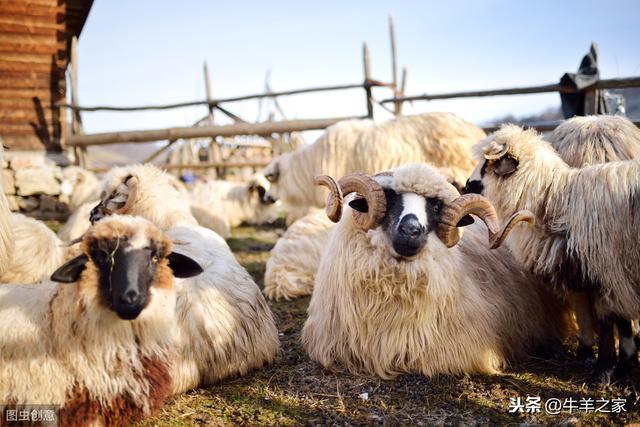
[152, 52]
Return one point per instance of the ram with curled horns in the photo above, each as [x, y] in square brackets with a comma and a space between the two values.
[402, 289]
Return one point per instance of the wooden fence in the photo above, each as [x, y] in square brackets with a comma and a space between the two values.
[205, 128]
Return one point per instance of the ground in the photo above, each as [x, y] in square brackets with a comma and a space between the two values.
[295, 391]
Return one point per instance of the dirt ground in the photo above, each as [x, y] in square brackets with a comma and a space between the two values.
[295, 391]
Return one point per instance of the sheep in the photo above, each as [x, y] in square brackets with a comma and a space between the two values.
[441, 139]
[78, 186]
[584, 141]
[99, 340]
[401, 290]
[220, 205]
[293, 261]
[146, 191]
[585, 237]
[36, 253]
[226, 327]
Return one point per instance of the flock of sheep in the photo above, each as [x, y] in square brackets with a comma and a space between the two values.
[410, 270]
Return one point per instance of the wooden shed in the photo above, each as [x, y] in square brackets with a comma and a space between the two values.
[35, 45]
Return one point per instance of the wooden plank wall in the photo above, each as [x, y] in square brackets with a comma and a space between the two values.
[34, 49]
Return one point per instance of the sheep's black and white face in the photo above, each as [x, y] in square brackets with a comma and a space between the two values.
[131, 257]
[490, 169]
[409, 220]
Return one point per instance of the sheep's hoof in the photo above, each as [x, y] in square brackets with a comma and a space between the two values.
[602, 377]
[626, 366]
[584, 355]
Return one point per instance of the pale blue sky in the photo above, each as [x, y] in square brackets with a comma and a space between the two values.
[151, 52]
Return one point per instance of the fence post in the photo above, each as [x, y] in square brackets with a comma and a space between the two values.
[367, 80]
[394, 65]
[76, 119]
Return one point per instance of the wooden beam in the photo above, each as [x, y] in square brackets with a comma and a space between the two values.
[366, 64]
[602, 84]
[403, 87]
[223, 100]
[207, 88]
[265, 128]
[394, 57]
[160, 151]
[195, 166]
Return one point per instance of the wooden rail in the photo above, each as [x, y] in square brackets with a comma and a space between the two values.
[262, 129]
[602, 84]
[196, 166]
[215, 102]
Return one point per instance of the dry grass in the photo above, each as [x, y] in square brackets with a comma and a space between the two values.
[295, 391]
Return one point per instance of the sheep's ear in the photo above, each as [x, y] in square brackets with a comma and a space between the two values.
[466, 220]
[505, 166]
[71, 270]
[183, 266]
[359, 204]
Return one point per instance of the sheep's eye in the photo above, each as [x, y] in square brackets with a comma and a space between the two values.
[271, 177]
[436, 203]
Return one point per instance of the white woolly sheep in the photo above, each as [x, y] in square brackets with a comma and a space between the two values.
[78, 186]
[294, 260]
[441, 139]
[36, 252]
[586, 233]
[226, 327]
[220, 205]
[102, 346]
[401, 290]
[584, 141]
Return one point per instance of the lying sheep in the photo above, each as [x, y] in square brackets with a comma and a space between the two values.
[294, 260]
[586, 232]
[584, 141]
[441, 139]
[226, 327]
[78, 186]
[220, 205]
[101, 347]
[401, 289]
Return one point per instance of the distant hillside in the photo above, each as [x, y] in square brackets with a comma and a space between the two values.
[632, 100]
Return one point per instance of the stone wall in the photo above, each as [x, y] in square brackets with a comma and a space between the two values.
[32, 182]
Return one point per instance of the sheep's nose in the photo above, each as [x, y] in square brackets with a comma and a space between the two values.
[410, 227]
[130, 297]
[95, 214]
[268, 199]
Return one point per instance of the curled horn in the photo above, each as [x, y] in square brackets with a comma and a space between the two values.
[494, 156]
[355, 183]
[334, 199]
[477, 205]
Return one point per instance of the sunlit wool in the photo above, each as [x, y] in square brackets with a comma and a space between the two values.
[441, 139]
[466, 309]
[226, 327]
[61, 345]
[587, 216]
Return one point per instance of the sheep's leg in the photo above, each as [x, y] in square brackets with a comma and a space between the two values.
[584, 315]
[606, 352]
[636, 331]
[627, 351]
